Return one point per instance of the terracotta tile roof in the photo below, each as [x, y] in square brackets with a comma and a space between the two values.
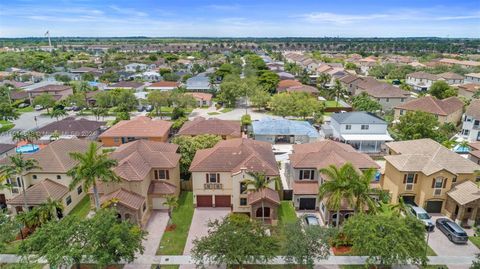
[302, 88]
[464, 192]
[283, 84]
[349, 78]
[137, 158]
[321, 154]
[234, 154]
[72, 126]
[383, 90]
[212, 126]
[139, 127]
[40, 192]
[162, 188]
[433, 105]
[173, 84]
[305, 187]
[473, 110]
[428, 156]
[55, 158]
[470, 87]
[474, 75]
[423, 75]
[126, 198]
[201, 95]
[475, 145]
[126, 84]
[51, 88]
[451, 75]
[475, 153]
[263, 194]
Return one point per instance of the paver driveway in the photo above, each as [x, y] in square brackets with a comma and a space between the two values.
[443, 247]
[156, 226]
[199, 228]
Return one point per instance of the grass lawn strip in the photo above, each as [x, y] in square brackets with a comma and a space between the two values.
[173, 242]
[82, 208]
[5, 126]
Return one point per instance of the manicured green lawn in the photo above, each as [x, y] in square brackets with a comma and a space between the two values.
[6, 125]
[286, 212]
[430, 251]
[225, 110]
[22, 265]
[82, 208]
[331, 103]
[173, 242]
[213, 113]
[475, 240]
[26, 109]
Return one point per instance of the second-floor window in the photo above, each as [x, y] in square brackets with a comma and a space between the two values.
[364, 127]
[307, 174]
[161, 174]
[243, 187]
[409, 181]
[437, 185]
[348, 127]
[213, 178]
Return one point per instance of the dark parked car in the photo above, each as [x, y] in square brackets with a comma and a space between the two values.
[311, 220]
[140, 108]
[453, 232]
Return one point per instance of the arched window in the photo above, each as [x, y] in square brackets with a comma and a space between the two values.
[258, 214]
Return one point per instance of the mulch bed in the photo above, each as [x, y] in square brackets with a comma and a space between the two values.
[171, 227]
[341, 250]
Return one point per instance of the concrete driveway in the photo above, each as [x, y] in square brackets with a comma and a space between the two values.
[443, 247]
[155, 227]
[200, 219]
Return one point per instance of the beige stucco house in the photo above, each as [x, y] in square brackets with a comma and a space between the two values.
[221, 174]
[51, 181]
[426, 173]
[149, 171]
[446, 110]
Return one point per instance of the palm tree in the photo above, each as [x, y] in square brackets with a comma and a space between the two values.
[388, 209]
[31, 136]
[49, 209]
[338, 187]
[18, 136]
[259, 182]
[56, 113]
[54, 136]
[362, 190]
[172, 203]
[19, 166]
[91, 167]
[338, 90]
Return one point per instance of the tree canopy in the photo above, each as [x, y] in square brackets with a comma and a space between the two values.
[442, 90]
[188, 146]
[297, 104]
[363, 102]
[416, 125]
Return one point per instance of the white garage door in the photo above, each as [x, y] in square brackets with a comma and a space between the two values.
[157, 203]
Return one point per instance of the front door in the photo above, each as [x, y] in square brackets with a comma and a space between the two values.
[307, 204]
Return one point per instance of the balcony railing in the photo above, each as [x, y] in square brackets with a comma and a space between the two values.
[213, 186]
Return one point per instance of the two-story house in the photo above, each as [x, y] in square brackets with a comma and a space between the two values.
[304, 178]
[423, 172]
[138, 128]
[226, 129]
[421, 81]
[387, 95]
[363, 131]
[221, 177]
[446, 110]
[135, 67]
[49, 181]
[472, 78]
[149, 171]
[471, 122]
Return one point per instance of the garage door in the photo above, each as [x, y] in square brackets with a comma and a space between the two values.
[307, 204]
[157, 203]
[204, 201]
[222, 201]
[407, 199]
[434, 206]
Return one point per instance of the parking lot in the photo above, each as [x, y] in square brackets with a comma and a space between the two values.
[443, 247]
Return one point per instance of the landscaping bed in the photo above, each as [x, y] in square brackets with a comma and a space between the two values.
[174, 240]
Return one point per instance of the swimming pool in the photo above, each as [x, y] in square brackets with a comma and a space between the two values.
[461, 149]
[30, 148]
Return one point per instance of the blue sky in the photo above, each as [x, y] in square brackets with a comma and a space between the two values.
[261, 18]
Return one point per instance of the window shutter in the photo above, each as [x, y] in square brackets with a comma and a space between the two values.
[312, 174]
[301, 174]
[218, 178]
[155, 174]
[404, 178]
[167, 174]
[206, 177]
[445, 182]
[416, 177]
[433, 182]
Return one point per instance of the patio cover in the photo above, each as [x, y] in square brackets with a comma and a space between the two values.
[367, 137]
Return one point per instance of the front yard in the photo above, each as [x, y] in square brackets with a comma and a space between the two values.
[475, 240]
[173, 242]
[82, 208]
[286, 214]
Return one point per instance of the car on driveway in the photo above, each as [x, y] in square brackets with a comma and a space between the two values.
[423, 216]
[311, 220]
[453, 232]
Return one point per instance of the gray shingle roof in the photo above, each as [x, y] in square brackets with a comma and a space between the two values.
[357, 117]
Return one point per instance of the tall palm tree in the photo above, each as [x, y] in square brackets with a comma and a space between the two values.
[172, 203]
[19, 166]
[18, 136]
[338, 187]
[92, 166]
[31, 136]
[362, 191]
[49, 209]
[56, 113]
[259, 182]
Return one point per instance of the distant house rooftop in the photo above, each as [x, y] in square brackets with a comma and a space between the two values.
[357, 117]
[271, 126]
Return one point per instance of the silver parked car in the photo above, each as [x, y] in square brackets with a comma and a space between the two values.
[423, 216]
[453, 232]
[311, 220]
